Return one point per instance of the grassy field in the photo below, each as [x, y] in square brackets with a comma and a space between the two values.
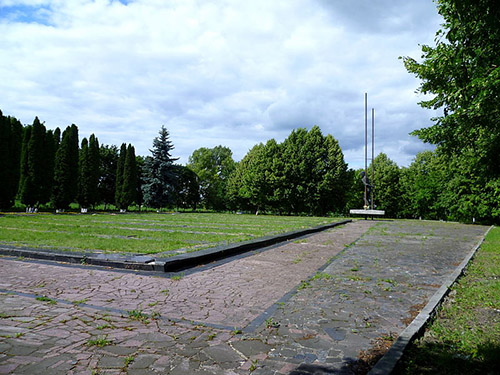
[465, 336]
[142, 233]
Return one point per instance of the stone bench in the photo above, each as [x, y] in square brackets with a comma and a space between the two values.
[367, 213]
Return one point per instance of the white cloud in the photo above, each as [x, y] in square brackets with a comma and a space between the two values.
[230, 72]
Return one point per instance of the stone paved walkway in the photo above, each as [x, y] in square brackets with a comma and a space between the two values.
[266, 313]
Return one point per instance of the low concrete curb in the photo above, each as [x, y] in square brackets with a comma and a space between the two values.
[388, 362]
[171, 264]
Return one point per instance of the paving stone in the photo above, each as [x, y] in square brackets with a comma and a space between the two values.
[335, 333]
[251, 347]
[111, 362]
[222, 353]
[323, 327]
[143, 361]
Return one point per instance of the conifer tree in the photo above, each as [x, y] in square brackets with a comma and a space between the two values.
[120, 166]
[8, 167]
[32, 188]
[160, 172]
[16, 140]
[84, 179]
[129, 181]
[94, 170]
[65, 186]
[23, 164]
[48, 160]
[57, 139]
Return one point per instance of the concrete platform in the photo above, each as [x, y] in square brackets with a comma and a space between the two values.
[315, 305]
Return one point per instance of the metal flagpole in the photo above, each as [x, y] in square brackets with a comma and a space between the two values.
[373, 157]
[366, 145]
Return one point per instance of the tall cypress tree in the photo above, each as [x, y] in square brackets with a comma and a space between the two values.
[88, 178]
[120, 166]
[5, 162]
[129, 181]
[16, 141]
[23, 163]
[84, 174]
[31, 190]
[48, 160]
[57, 139]
[65, 186]
[94, 170]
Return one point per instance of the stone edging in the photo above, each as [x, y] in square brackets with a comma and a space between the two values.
[171, 264]
[387, 363]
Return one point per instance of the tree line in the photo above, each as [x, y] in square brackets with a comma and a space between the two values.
[41, 167]
[304, 174]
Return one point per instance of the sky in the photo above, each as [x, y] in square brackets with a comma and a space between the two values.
[218, 72]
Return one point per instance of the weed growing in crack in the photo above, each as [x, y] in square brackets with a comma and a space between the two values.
[177, 277]
[46, 299]
[99, 341]
[79, 302]
[321, 276]
[138, 315]
[129, 360]
[271, 323]
[304, 284]
[253, 366]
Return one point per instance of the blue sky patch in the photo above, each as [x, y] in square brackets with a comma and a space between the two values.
[26, 14]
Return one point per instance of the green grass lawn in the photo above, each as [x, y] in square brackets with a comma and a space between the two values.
[146, 233]
[465, 336]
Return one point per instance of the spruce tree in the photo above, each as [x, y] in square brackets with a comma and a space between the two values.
[160, 172]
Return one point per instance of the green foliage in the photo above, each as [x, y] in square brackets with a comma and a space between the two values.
[159, 178]
[213, 166]
[128, 193]
[461, 74]
[422, 187]
[65, 186]
[108, 159]
[33, 188]
[10, 149]
[120, 167]
[304, 174]
[387, 190]
[187, 188]
[89, 174]
[99, 341]
[84, 175]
